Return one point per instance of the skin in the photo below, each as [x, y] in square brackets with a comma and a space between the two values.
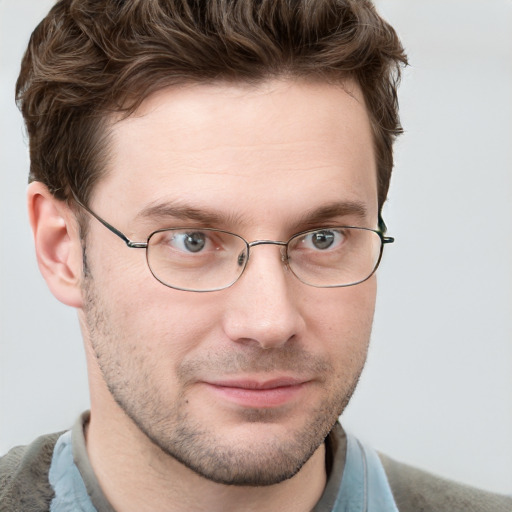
[169, 430]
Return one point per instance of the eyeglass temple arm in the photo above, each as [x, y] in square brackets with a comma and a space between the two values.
[143, 245]
[122, 236]
[383, 228]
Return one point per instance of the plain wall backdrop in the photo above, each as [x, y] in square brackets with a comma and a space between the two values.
[437, 389]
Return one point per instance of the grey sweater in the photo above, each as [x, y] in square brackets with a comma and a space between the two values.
[24, 485]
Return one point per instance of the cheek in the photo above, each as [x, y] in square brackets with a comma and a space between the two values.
[342, 317]
[169, 323]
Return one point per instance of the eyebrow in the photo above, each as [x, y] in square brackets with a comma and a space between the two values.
[162, 211]
[331, 211]
[183, 212]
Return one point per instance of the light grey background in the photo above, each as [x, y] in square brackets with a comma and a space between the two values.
[437, 390]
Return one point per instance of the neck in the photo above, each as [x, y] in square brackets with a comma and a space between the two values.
[134, 474]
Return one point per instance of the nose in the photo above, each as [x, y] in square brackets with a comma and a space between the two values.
[264, 306]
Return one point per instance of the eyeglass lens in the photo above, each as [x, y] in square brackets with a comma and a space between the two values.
[208, 259]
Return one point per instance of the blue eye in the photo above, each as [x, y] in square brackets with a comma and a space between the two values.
[189, 242]
[323, 239]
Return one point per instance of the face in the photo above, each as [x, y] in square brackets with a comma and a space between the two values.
[241, 385]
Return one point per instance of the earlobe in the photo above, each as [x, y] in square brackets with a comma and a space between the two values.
[57, 244]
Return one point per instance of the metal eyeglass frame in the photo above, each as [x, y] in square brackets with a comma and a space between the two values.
[144, 245]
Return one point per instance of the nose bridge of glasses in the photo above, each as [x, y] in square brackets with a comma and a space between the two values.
[270, 242]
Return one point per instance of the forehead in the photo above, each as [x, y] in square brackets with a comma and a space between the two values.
[257, 150]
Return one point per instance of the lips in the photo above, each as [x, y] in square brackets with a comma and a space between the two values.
[255, 393]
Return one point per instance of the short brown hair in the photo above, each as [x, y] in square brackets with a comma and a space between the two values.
[89, 59]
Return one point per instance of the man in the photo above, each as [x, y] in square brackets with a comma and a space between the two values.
[206, 187]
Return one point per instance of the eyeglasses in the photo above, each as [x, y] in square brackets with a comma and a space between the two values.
[204, 259]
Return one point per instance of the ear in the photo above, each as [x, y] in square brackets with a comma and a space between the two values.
[57, 244]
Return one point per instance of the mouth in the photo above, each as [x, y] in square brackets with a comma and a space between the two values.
[254, 393]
